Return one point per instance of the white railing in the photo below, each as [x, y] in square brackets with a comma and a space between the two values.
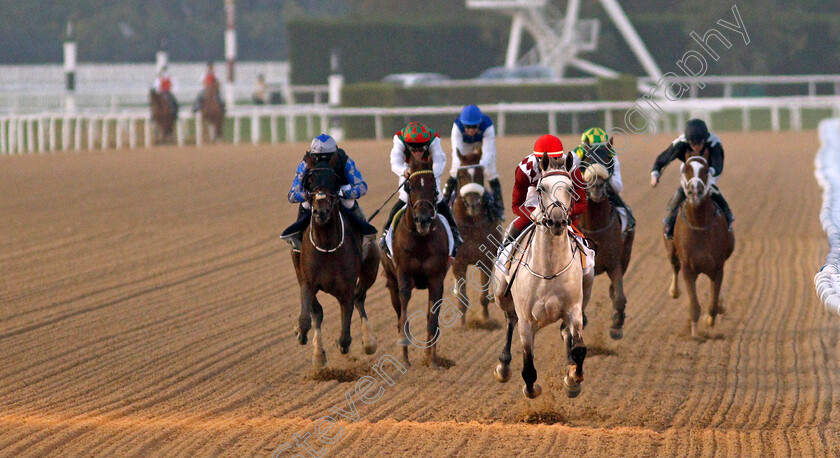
[827, 172]
[809, 82]
[92, 130]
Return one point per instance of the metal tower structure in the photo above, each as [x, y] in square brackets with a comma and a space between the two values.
[560, 38]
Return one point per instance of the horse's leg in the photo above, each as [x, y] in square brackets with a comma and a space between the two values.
[346, 304]
[690, 279]
[502, 372]
[619, 301]
[485, 295]
[307, 295]
[319, 356]
[715, 307]
[588, 281]
[405, 285]
[575, 351]
[368, 340]
[529, 372]
[433, 313]
[628, 249]
[459, 273]
[671, 249]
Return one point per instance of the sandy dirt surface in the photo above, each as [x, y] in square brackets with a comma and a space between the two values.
[147, 309]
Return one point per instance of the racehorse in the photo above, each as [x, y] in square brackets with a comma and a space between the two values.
[601, 222]
[212, 112]
[476, 222]
[332, 259]
[702, 241]
[420, 257]
[163, 114]
[549, 283]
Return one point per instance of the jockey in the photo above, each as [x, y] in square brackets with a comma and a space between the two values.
[164, 86]
[207, 80]
[592, 139]
[527, 176]
[473, 129]
[696, 140]
[418, 140]
[352, 187]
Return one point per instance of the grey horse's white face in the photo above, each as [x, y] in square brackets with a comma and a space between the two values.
[556, 194]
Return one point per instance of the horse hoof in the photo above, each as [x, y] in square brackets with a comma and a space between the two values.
[301, 338]
[710, 321]
[616, 333]
[502, 373]
[403, 342]
[370, 348]
[694, 333]
[342, 350]
[572, 389]
[319, 360]
[536, 391]
[675, 291]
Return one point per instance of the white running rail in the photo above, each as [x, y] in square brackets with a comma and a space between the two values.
[827, 172]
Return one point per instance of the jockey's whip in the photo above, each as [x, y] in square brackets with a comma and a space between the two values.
[373, 215]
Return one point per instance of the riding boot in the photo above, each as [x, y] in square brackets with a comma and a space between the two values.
[443, 209]
[359, 220]
[397, 206]
[671, 216]
[497, 197]
[511, 233]
[448, 189]
[617, 201]
[175, 106]
[197, 104]
[294, 233]
[717, 197]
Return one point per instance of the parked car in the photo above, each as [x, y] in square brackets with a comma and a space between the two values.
[414, 79]
[528, 72]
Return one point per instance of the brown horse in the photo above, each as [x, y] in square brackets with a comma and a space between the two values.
[332, 259]
[420, 259]
[213, 112]
[476, 222]
[702, 241]
[601, 223]
[163, 114]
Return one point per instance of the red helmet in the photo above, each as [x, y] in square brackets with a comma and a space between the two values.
[548, 144]
[416, 133]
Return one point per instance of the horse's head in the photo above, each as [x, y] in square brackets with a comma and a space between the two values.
[421, 187]
[555, 191]
[597, 171]
[322, 183]
[471, 181]
[695, 179]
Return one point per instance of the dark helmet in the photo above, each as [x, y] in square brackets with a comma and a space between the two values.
[696, 131]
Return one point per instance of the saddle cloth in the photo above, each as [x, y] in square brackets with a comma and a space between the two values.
[389, 237]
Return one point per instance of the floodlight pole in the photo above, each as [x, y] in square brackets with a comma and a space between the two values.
[230, 49]
[70, 69]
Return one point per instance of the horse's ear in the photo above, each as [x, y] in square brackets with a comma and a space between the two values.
[570, 162]
[544, 162]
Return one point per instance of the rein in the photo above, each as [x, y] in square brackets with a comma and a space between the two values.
[571, 260]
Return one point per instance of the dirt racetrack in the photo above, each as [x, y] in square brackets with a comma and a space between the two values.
[147, 306]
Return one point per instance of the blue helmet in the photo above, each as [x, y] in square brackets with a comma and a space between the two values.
[470, 116]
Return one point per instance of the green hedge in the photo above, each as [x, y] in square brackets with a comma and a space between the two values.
[372, 48]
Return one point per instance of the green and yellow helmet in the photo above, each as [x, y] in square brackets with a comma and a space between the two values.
[594, 136]
[579, 151]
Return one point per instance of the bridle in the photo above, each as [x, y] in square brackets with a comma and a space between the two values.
[416, 205]
[706, 186]
[319, 194]
[544, 219]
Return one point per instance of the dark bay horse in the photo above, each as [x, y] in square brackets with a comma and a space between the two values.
[420, 259]
[476, 222]
[213, 112]
[163, 114]
[702, 241]
[601, 223]
[332, 259]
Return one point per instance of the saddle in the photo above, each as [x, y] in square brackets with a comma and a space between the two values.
[389, 237]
